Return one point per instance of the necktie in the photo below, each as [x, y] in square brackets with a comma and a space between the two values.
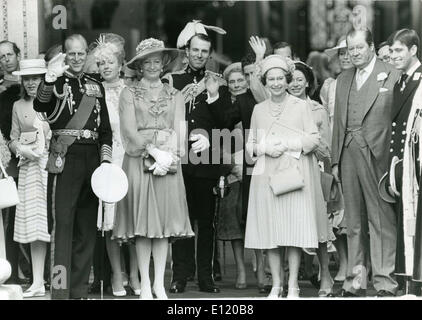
[402, 82]
[359, 78]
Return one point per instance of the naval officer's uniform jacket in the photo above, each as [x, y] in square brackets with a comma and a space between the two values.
[72, 203]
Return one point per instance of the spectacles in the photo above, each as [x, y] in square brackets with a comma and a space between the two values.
[6, 56]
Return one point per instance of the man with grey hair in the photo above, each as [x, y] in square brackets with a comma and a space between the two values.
[74, 105]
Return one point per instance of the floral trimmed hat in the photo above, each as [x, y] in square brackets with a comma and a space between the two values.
[149, 46]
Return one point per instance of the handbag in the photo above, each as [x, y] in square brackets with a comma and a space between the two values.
[287, 179]
[8, 191]
[28, 138]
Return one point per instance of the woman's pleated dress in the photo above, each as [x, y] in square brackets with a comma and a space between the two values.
[112, 94]
[155, 206]
[288, 219]
[31, 212]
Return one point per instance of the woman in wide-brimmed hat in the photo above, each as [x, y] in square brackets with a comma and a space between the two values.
[29, 141]
[152, 116]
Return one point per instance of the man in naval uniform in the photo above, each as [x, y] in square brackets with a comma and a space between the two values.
[404, 49]
[205, 105]
[74, 104]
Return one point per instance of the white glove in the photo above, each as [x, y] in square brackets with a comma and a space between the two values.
[27, 152]
[273, 149]
[158, 170]
[56, 67]
[163, 158]
[201, 144]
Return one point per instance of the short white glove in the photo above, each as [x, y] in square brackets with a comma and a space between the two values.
[157, 170]
[163, 158]
[273, 149]
[27, 152]
[56, 67]
[201, 142]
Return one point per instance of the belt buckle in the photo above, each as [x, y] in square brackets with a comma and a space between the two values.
[86, 134]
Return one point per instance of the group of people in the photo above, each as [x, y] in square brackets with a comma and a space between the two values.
[311, 164]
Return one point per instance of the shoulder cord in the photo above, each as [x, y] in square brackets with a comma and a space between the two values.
[60, 104]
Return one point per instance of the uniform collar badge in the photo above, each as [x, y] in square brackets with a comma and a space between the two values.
[416, 76]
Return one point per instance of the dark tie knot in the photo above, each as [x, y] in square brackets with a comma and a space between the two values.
[404, 78]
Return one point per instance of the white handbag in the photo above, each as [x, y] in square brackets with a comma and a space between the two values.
[8, 191]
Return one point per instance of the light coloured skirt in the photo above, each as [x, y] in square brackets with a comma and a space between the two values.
[105, 219]
[31, 212]
[284, 220]
[154, 207]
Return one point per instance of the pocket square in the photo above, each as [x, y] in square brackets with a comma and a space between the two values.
[383, 90]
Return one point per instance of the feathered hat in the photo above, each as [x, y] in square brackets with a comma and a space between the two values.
[193, 28]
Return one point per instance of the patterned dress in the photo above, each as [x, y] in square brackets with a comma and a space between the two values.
[31, 212]
[112, 94]
[155, 206]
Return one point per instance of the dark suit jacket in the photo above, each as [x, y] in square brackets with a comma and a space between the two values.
[377, 112]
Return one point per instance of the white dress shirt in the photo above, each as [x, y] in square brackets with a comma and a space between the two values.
[363, 74]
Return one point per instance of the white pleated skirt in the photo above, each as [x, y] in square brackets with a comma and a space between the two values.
[284, 220]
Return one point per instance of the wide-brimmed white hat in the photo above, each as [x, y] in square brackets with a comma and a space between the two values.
[109, 183]
[387, 186]
[331, 52]
[31, 67]
[149, 46]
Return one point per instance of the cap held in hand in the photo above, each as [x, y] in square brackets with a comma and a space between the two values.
[109, 183]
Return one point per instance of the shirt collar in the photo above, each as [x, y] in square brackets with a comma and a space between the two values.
[196, 73]
[370, 67]
[71, 75]
[413, 68]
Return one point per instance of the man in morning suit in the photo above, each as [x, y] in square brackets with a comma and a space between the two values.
[361, 136]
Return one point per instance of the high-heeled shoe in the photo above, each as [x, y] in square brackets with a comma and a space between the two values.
[120, 293]
[160, 293]
[241, 286]
[293, 293]
[275, 293]
[146, 294]
[326, 292]
[136, 292]
[34, 292]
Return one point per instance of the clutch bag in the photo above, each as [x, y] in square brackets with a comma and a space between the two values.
[149, 161]
[8, 191]
[28, 138]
